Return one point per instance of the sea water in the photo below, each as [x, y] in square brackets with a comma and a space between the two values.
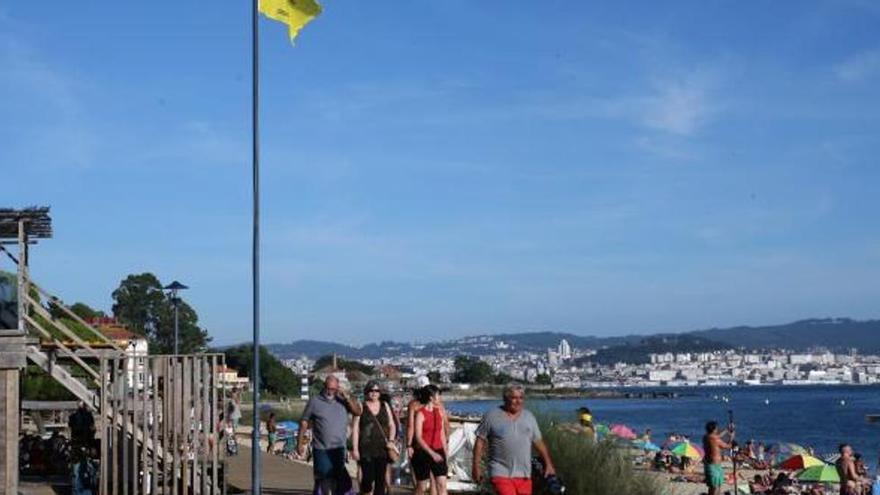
[820, 417]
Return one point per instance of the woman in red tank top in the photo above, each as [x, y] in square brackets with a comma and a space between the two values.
[430, 455]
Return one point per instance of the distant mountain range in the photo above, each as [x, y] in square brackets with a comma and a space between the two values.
[833, 333]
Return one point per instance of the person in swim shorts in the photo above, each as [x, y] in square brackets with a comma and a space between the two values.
[713, 444]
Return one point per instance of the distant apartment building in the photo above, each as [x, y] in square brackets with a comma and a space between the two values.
[228, 378]
[136, 348]
[662, 375]
[752, 359]
[667, 357]
[552, 358]
[564, 350]
[795, 359]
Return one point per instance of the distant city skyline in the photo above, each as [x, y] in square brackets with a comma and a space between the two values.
[439, 170]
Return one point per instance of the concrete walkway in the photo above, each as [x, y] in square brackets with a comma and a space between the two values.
[279, 475]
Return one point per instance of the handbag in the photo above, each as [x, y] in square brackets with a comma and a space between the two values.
[390, 445]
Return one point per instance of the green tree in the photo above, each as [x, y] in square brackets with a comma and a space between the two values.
[543, 379]
[502, 379]
[469, 369]
[434, 377]
[142, 306]
[275, 378]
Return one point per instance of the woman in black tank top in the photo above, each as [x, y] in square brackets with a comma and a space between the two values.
[370, 434]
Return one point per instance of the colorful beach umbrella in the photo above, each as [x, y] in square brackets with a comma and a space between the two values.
[800, 461]
[623, 431]
[820, 474]
[782, 451]
[687, 449]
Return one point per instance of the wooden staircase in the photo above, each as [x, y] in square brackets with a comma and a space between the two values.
[60, 350]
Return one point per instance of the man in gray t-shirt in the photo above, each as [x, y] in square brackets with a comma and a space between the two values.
[510, 432]
[327, 415]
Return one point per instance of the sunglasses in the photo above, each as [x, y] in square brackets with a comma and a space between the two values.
[374, 390]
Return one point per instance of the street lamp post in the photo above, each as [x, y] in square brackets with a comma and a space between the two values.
[173, 288]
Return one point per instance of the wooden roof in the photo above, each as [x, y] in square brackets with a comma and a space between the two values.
[38, 224]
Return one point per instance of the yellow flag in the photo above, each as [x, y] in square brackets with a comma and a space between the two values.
[294, 13]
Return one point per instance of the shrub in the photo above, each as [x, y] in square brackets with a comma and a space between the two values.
[594, 468]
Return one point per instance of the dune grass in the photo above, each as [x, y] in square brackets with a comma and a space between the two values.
[594, 468]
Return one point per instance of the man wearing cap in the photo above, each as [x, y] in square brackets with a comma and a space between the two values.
[585, 419]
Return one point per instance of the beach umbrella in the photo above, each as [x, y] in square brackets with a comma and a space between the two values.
[786, 448]
[648, 446]
[687, 449]
[623, 431]
[781, 451]
[831, 459]
[800, 461]
[821, 474]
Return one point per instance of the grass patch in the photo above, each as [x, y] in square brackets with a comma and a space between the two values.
[283, 412]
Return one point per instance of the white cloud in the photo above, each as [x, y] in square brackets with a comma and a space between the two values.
[859, 67]
[680, 105]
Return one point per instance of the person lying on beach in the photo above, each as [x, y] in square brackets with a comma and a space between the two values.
[783, 484]
[757, 485]
[664, 461]
[660, 462]
[743, 458]
[814, 490]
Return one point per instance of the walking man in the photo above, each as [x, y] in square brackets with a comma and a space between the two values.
[713, 444]
[82, 427]
[327, 416]
[510, 432]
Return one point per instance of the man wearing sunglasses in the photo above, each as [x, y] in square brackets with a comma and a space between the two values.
[327, 414]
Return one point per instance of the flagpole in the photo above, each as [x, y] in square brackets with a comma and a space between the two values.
[256, 487]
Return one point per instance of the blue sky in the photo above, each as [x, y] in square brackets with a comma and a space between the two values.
[438, 169]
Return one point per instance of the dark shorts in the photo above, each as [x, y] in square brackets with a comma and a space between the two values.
[331, 478]
[329, 463]
[423, 466]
